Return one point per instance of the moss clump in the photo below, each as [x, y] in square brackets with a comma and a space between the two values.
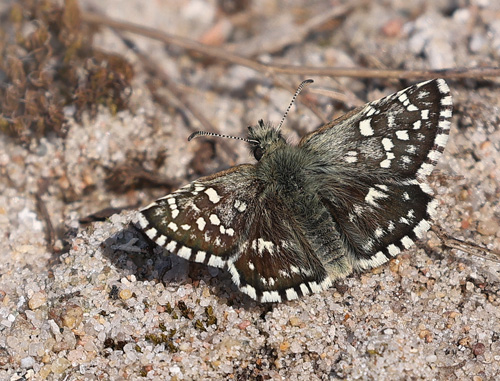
[47, 62]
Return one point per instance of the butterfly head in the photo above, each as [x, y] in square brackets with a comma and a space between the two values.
[263, 139]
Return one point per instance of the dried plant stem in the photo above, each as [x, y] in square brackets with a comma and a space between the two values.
[268, 69]
[467, 247]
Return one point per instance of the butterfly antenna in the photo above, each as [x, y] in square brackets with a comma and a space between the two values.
[299, 89]
[204, 133]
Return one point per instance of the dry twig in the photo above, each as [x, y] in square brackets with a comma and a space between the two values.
[268, 69]
[467, 247]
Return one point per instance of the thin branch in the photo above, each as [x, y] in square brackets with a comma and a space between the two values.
[223, 55]
[278, 38]
[467, 247]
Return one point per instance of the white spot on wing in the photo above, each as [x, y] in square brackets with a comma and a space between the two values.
[200, 256]
[172, 226]
[351, 157]
[445, 113]
[375, 261]
[151, 233]
[294, 270]
[212, 195]
[143, 222]
[171, 246]
[184, 252]
[365, 127]
[379, 232]
[434, 155]
[271, 296]
[387, 143]
[261, 244]
[426, 189]
[161, 240]
[411, 149]
[441, 140]
[444, 124]
[431, 208]
[425, 169]
[291, 294]
[393, 250]
[446, 101]
[369, 111]
[240, 206]
[250, 291]
[421, 228]
[234, 273]
[402, 135]
[304, 289]
[216, 261]
[404, 221]
[442, 86]
[407, 242]
[391, 226]
[201, 223]
[315, 287]
[385, 163]
[374, 194]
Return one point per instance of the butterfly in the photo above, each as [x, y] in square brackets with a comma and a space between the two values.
[350, 196]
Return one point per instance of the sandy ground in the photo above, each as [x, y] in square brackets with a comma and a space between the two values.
[112, 307]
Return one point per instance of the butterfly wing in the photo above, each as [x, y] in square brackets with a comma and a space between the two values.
[371, 164]
[198, 222]
[228, 220]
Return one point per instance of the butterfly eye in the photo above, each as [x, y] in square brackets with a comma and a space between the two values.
[258, 152]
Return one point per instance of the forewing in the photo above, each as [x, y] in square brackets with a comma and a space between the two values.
[401, 135]
[371, 166]
[206, 220]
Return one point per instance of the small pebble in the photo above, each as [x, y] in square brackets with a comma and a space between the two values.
[37, 300]
[72, 316]
[295, 321]
[284, 346]
[60, 365]
[244, 324]
[295, 347]
[27, 362]
[125, 294]
[392, 28]
[488, 227]
[431, 358]
[478, 349]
